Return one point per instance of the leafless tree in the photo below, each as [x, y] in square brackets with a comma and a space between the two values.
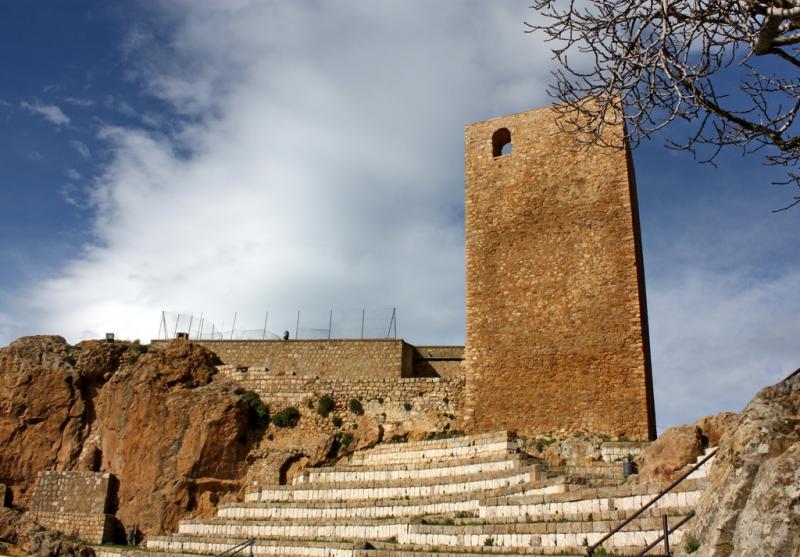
[671, 60]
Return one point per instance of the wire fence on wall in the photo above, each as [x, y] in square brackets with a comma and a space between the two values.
[361, 323]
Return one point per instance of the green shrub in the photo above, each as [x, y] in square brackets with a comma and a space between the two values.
[325, 405]
[135, 350]
[355, 407]
[407, 406]
[691, 545]
[346, 439]
[488, 542]
[288, 417]
[259, 410]
[337, 421]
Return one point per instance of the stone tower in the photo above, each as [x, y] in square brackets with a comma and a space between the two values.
[557, 333]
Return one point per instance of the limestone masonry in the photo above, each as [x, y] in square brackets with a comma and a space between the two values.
[556, 320]
[339, 359]
[76, 503]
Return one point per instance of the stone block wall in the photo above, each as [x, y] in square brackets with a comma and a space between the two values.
[4, 495]
[350, 359]
[557, 333]
[428, 398]
[75, 503]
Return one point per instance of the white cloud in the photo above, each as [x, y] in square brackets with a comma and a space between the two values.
[322, 168]
[49, 112]
[72, 174]
[719, 337]
[35, 156]
[81, 148]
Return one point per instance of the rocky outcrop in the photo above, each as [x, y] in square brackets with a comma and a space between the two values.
[170, 435]
[17, 530]
[674, 449]
[679, 446]
[175, 440]
[752, 504]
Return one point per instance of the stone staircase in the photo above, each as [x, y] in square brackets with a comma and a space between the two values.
[458, 496]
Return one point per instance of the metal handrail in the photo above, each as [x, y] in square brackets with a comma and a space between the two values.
[666, 533]
[591, 549]
[249, 542]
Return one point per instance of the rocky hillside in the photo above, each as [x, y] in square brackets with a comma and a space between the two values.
[174, 439]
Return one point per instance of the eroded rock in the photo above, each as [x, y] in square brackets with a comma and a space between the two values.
[751, 506]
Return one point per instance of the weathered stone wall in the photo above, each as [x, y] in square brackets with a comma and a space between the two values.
[556, 326]
[431, 396]
[343, 359]
[75, 503]
[4, 495]
[351, 359]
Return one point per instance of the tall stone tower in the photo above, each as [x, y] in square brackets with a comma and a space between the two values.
[557, 333]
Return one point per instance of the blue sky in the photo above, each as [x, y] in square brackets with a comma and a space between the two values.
[250, 156]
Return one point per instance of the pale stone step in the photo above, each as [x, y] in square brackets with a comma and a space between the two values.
[453, 478]
[442, 450]
[565, 535]
[297, 493]
[451, 442]
[454, 467]
[367, 509]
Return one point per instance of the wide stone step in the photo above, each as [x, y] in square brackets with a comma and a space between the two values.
[453, 518]
[410, 489]
[452, 478]
[353, 509]
[455, 467]
[569, 536]
[585, 502]
[448, 443]
[431, 451]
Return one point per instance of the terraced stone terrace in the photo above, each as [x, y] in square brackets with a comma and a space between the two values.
[459, 496]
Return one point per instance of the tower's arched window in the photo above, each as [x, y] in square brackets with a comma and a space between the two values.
[501, 142]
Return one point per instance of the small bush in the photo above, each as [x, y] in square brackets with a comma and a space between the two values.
[337, 422]
[692, 544]
[355, 407]
[488, 542]
[288, 417]
[134, 351]
[407, 406]
[346, 439]
[259, 410]
[325, 405]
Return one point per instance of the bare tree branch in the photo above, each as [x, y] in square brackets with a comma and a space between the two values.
[675, 60]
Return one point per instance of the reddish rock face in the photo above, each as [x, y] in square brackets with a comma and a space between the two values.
[674, 449]
[174, 439]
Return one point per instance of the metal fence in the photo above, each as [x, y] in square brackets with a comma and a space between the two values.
[361, 323]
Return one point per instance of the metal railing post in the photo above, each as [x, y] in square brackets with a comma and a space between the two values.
[591, 549]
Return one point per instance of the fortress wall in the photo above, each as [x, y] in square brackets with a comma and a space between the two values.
[346, 359]
[556, 325]
[74, 503]
[431, 395]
